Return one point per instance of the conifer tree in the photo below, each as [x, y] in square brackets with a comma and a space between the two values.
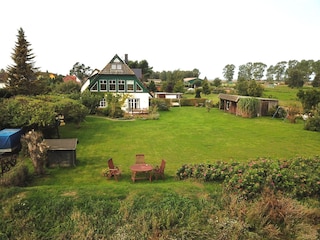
[22, 75]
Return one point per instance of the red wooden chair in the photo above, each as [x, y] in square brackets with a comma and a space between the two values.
[113, 170]
[159, 171]
[140, 159]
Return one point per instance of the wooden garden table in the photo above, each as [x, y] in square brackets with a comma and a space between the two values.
[141, 168]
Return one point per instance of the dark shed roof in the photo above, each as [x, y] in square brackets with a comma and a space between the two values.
[62, 144]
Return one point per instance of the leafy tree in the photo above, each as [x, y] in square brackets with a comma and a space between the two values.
[80, 71]
[270, 73]
[316, 81]
[195, 73]
[217, 82]
[295, 78]
[179, 87]
[280, 70]
[152, 86]
[258, 70]
[241, 87]
[243, 72]
[68, 87]
[22, 75]
[228, 72]
[144, 66]
[90, 100]
[206, 87]
[249, 88]
[309, 99]
[316, 67]
[114, 103]
[255, 89]
[39, 112]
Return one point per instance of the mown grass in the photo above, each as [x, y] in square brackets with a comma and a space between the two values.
[75, 202]
[181, 135]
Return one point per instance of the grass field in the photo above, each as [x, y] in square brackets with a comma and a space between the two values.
[181, 135]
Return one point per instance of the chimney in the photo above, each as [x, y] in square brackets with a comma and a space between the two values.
[126, 58]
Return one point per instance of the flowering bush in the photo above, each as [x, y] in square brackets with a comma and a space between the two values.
[298, 177]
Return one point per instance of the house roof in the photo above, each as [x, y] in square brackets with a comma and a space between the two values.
[116, 69]
[71, 78]
[235, 98]
[112, 69]
[191, 79]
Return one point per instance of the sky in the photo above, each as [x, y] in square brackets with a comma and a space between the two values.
[169, 34]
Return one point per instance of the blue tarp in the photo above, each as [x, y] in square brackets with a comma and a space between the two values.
[10, 139]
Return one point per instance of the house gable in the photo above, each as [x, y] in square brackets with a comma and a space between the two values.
[116, 77]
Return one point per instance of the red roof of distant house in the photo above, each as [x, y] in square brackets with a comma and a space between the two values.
[69, 78]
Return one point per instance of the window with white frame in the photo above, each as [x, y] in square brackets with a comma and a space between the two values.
[130, 85]
[134, 103]
[121, 85]
[112, 85]
[138, 88]
[94, 87]
[102, 103]
[103, 85]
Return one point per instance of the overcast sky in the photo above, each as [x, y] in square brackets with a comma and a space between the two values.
[169, 34]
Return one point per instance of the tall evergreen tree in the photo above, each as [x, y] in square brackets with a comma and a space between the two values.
[22, 75]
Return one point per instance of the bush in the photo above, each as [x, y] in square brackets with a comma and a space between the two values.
[161, 104]
[313, 124]
[298, 177]
[17, 176]
[192, 101]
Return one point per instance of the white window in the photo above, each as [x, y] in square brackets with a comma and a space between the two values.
[130, 85]
[103, 85]
[112, 85]
[121, 85]
[134, 103]
[102, 103]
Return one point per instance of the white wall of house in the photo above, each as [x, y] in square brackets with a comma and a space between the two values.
[2, 85]
[143, 101]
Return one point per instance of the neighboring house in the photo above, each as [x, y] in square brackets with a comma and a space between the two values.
[190, 82]
[174, 97]
[71, 78]
[116, 77]
[229, 103]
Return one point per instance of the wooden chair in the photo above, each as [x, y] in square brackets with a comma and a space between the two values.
[159, 171]
[113, 170]
[140, 159]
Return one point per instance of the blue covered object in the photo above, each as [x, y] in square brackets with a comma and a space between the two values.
[10, 139]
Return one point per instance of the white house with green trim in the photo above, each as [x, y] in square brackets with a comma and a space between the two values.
[117, 77]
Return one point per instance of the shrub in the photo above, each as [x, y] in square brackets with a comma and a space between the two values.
[248, 107]
[17, 176]
[298, 177]
[161, 104]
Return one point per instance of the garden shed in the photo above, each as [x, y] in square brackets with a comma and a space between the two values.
[10, 140]
[229, 103]
[61, 152]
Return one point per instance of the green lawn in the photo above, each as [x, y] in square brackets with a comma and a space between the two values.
[79, 203]
[181, 135]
